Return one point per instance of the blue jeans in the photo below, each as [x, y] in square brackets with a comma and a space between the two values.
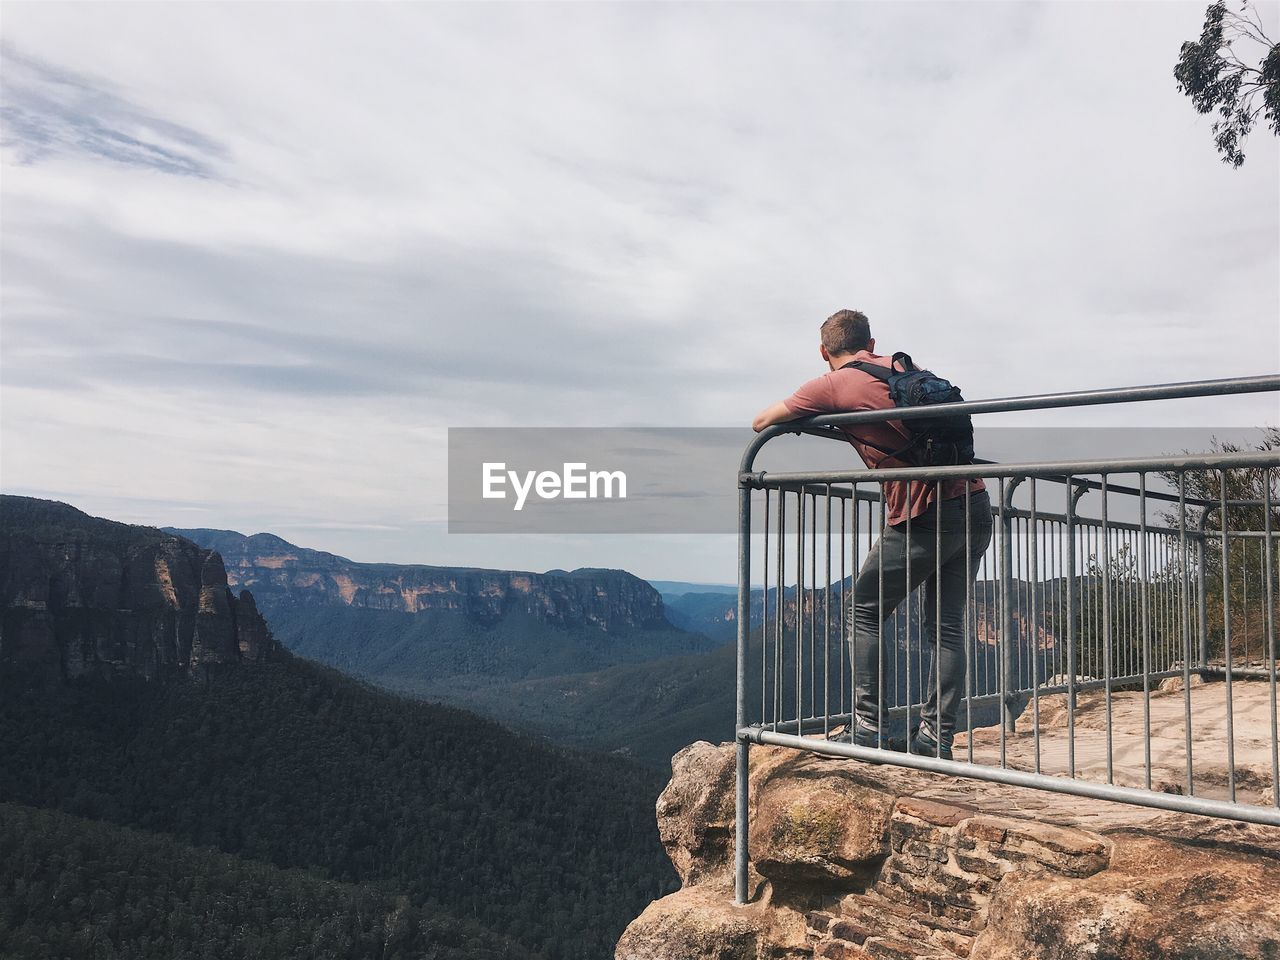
[945, 560]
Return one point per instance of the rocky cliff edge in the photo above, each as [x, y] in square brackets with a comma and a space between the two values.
[852, 861]
[82, 596]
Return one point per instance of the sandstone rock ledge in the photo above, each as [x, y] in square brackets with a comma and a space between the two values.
[853, 861]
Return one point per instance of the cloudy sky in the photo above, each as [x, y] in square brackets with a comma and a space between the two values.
[258, 258]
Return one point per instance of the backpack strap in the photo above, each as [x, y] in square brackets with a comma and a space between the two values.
[883, 374]
[878, 371]
[893, 454]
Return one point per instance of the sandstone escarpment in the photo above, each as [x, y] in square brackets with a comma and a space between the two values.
[84, 596]
[280, 572]
[854, 861]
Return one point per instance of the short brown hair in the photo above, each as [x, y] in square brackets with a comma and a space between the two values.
[846, 331]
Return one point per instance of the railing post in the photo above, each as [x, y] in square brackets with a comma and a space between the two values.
[1006, 636]
[1073, 635]
[741, 838]
[1202, 612]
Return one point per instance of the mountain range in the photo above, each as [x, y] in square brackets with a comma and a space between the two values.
[582, 657]
[588, 658]
[158, 708]
[174, 783]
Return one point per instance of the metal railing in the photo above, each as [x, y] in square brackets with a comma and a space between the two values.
[1116, 598]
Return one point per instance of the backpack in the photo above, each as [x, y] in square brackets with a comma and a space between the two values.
[935, 441]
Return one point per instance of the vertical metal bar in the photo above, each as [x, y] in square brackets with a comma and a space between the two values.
[1262, 596]
[1135, 591]
[1018, 580]
[1160, 601]
[1189, 786]
[856, 559]
[1172, 624]
[1270, 637]
[1040, 598]
[1107, 669]
[1226, 635]
[844, 613]
[1060, 654]
[991, 648]
[936, 722]
[1004, 640]
[1033, 550]
[1173, 620]
[1262, 581]
[1083, 597]
[1096, 583]
[779, 601]
[826, 628]
[742, 756]
[764, 614]
[1071, 629]
[1006, 624]
[1144, 574]
[1135, 621]
[1088, 629]
[813, 604]
[881, 732]
[1158, 630]
[907, 604]
[800, 612]
[1262, 586]
[1089, 601]
[1126, 610]
[1244, 593]
[970, 610]
[1202, 601]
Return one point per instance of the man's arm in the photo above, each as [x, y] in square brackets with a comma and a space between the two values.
[774, 413]
[812, 397]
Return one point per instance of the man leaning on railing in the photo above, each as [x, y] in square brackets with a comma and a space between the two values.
[925, 534]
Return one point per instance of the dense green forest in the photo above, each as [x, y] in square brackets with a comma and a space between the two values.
[74, 889]
[439, 645]
[647, 711]
[705, 612]
[296, 766]
[651, 710]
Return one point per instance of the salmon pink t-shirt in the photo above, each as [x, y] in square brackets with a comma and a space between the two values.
[847, 390]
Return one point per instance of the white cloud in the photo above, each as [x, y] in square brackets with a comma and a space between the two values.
[415, 216]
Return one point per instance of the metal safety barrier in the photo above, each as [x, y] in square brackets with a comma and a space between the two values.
[1123, 611]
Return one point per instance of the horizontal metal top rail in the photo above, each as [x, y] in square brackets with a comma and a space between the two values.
[824, 424]
[1213, 461]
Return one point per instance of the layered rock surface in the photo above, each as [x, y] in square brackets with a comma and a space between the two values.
[84, 596]
[280, 572]
[851, 861]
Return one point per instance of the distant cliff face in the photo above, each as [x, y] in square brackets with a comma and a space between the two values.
[84, 596]
[280, 572]
[716, 614]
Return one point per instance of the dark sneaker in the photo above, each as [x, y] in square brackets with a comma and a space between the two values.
[862, 737]
[866, 737]
[923, 745]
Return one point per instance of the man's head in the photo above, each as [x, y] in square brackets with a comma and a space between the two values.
[844, 333]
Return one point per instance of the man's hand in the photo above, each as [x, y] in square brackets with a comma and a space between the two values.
[774, 413]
